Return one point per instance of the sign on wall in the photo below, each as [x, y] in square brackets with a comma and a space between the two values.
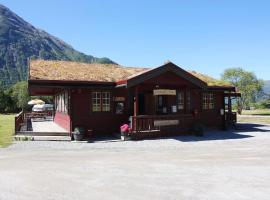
[119, 98]
[166, 122]
[164, 92]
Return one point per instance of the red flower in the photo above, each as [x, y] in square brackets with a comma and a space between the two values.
[125, 128]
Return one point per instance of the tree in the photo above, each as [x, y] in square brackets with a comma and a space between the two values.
[6, 102]
[246, 82]
[2, 100]
[16, 97]
[19, 94]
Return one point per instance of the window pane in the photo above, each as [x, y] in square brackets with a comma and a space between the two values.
[101, 101]
[208, 101]
[181, 100]
[66, 102]
[106, 101]
[96, 101]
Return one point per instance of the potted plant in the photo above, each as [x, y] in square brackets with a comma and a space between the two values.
[78, 133]
[125, 132]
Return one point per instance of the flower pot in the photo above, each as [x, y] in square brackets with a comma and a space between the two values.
[78, 136]
[125, 138]
[78, 133]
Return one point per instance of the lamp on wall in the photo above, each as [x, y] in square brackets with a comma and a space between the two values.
[221, 111]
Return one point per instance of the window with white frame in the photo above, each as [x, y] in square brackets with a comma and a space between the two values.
[101, 101]
[208, 101]
[96, 101]
[181, 100]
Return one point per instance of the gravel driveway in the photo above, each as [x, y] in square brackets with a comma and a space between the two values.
[221, 165]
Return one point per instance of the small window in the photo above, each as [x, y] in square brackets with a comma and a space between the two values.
[101, 101]
[208, 101]
[181, 100]
[119, 109]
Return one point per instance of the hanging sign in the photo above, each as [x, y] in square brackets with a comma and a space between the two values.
[164, 92]
[119, 98]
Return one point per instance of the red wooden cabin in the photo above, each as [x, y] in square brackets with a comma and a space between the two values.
[157, 101]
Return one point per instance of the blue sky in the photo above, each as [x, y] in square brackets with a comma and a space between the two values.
[206, 36]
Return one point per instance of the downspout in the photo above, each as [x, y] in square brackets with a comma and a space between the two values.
[70, 113]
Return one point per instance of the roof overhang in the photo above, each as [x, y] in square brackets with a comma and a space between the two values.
[222, 88]
[49, 87]
[233, 94]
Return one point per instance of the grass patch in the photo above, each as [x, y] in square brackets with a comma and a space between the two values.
[256, 112]
[6, 129]
[259, 120]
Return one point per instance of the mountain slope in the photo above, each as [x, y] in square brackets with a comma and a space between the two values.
[20, 41]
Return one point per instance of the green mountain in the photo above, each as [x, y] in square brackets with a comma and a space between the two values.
[20, 41]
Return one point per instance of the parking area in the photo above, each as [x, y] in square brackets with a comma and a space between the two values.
[221, 165]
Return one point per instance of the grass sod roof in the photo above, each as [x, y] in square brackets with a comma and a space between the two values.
[210, 80]
[75, 71]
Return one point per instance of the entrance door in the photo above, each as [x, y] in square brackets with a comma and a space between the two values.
[161, 104]
[141, 104]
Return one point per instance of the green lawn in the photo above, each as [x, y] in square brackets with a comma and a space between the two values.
[6, 129]
[257, 120]
[256, 112]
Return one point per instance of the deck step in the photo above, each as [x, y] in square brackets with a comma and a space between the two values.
[31, 133]
[24, 137]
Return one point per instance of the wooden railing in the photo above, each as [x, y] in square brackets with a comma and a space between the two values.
[23, 118]
[19, 120]
[43, 114]
[161, 122]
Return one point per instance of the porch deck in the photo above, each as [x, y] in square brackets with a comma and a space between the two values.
[38, 126]
[148, 126]
[47, 126]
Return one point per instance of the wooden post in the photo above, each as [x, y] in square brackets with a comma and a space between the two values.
[70, 112]
[136, 108]
[136, 102]
[185, 101]
[229, 104]
[224, 116]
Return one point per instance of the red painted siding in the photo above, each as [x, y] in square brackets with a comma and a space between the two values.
[169, 79]
[100, 123]
[63, 120]
[108, 122]
[213, 118]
